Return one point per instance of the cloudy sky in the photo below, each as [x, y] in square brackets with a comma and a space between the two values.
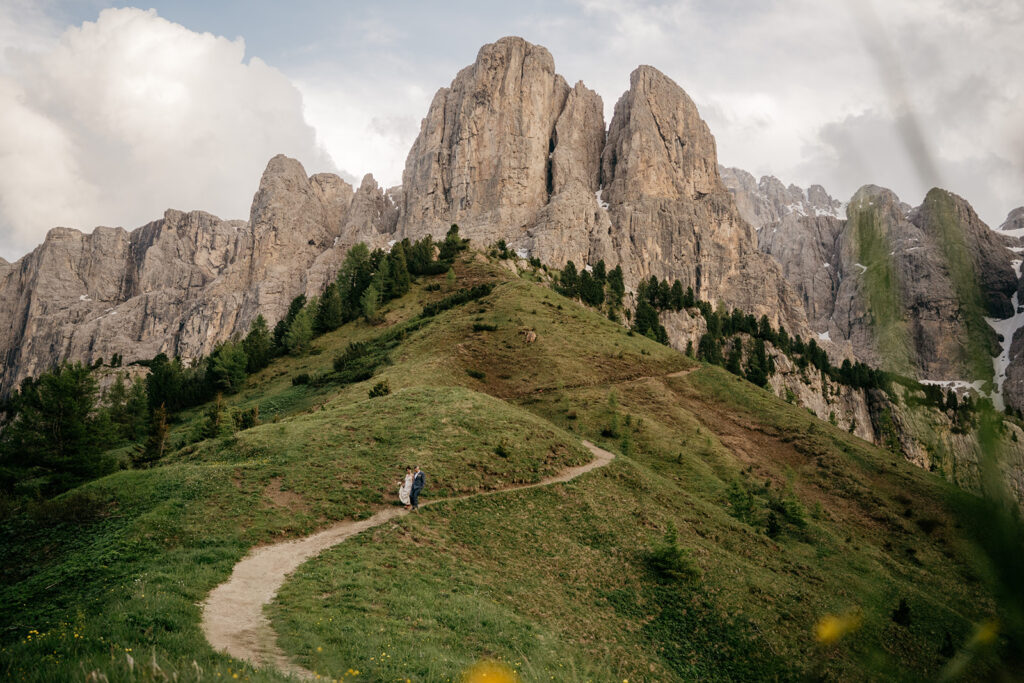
[109, 114]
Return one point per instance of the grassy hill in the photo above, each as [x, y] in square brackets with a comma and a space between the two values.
[733, 537]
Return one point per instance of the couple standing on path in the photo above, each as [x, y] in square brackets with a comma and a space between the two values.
[409, 493]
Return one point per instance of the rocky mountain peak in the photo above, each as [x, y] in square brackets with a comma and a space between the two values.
[658, 145]
[765, 202]
[483, 155]
[1014, 221]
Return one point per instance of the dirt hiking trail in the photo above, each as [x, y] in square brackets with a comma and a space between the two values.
[233, 619]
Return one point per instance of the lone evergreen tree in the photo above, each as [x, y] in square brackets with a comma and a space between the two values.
[155, 446]
[570, 280]
[257, 345]
[329, 313]
[300, 333]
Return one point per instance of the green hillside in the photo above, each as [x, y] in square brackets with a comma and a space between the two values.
[734, 536]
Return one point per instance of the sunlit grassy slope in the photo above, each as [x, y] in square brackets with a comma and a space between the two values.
[560, 582]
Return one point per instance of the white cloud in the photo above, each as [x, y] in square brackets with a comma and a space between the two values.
[120, 118]
[368, 127]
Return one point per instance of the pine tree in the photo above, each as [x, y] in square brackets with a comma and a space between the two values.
[217, 422]
[382, 280]
[257, 345]
[570, 280]
[676, 299]
[354, 277]
[652, 292]
[732, 364]
[951, 401]
[689, 301]
[757, 364]
[591, 291]
[645, 319]
[709, 349]
[616, 286]
[600, 272]
[329, 313]
[56, 431]
[400, 280]
[164, 381]
[664, 296]
[371, 303]
[300, 333]
[226, 367]
[452, 244]
[116, 400]
[155, 447]
[137, 411]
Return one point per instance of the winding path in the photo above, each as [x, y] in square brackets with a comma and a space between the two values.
[233, 619]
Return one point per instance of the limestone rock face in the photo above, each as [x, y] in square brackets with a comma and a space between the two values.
[824, 258]
[658, 146]
[482, 156]
[767, 201]
[89, 296]
[573, 225]
[1014, 220]
[184, 283]
[671, 215]
[509, 151]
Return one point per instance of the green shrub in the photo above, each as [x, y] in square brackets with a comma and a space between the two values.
[381, 388]
[901, 615]
[76, 507]
[669, 562]
[741, 502]
[773, 528]
[484, 327]
[247, 419]
[475, 374]
[457, 299]
[300, 379]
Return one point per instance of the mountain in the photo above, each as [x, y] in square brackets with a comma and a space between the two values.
[508, 151]
[184, 283]
[949, 272]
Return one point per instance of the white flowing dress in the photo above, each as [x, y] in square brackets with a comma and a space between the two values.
[405, 489]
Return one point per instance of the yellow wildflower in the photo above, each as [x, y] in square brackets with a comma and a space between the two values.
[830, 628]
[490, 671]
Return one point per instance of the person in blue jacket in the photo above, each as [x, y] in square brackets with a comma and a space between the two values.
[418, 480]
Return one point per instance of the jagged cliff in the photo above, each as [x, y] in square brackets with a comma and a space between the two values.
[181, 284]
[510, 151]
[936, 257]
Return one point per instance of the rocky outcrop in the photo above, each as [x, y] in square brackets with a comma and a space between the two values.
[767, 201]
[184, 283]
[510, 152]
[483, 157]
[934, 256]
[1014, 221]
[671, 215]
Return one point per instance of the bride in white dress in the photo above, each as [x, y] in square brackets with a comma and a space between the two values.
[406, 488]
